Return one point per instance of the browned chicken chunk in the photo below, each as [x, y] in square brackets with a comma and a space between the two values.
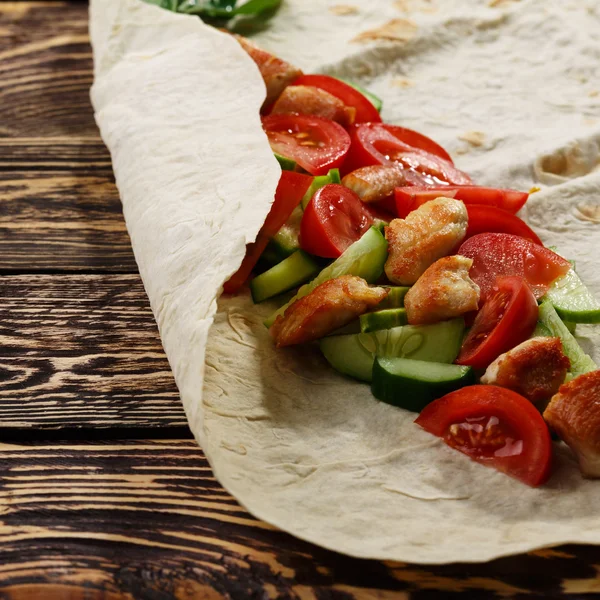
[574, 413]
[309, 100]
[276, 73]
[443, 292]
[375, 183]
[535, 369]
[329, 306]
[428, 233]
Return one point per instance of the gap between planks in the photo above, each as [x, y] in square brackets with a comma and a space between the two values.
[147, 518]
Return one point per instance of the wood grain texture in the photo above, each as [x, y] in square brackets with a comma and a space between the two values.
[62, 221]
[45, 70]
[82, 351]
[60, 208]
[139, 519]
[146, 519]
[76, 155]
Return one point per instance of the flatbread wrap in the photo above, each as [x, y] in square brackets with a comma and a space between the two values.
[508, 88]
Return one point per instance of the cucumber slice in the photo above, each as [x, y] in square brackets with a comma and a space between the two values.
[413, 384]
[541, 331]
[333, 176]
[580, 362]
[372, 98]
[383, 319]
[395, 298]
[365, 258]
[573, 301]
[289, 273]
[286, 164]
[284, 242]
[318, 182]
[354, 355]
[268, 258]
[347, 355]
[287, 240]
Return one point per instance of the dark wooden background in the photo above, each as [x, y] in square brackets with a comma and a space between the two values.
[103, 493]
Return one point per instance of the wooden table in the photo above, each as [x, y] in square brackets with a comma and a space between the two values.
[103, 493]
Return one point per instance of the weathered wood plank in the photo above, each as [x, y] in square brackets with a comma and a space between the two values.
[62, 220]
[146, 519]
[139, 519]
[45, 70]
[60, 207]
[74, 154]
[82, 351]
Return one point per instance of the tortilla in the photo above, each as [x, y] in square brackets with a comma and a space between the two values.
[508, 88]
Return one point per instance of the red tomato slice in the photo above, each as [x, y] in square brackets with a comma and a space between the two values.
[378, 144]
[489, 219]
[507, 318]
[333, 220]
[410, 198]
[496, 254]
[290, 190]
[418, 140]
[495, 427]
[253, 253]
[365, 111]
[316, 144]
[388, 205]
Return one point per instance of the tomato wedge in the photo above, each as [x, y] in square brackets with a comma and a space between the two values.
[489, 219]
[418, 140]
[410, 198]
[507, 318]
[333, 220]
[495, 427]
[290, 190]
[497, 254]
[316, 144]
[426, 162]
[365, 111]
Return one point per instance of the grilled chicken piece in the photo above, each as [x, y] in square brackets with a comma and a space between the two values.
[535, 369]
[444, 291]
[375, 183]
[276, 73]
[574, 413]
[329, 306]
[309, 100]
[428, 233]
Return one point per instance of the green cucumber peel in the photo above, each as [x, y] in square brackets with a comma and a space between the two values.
[354, 354]
[383, 319]
[334, 176]
[286, 164]
[395, 297]
[541, 331]
[365, 258]
[287, 240]
[413, 384]
[318, 182]
[580, 362]
[284, 276]
[572, 300]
